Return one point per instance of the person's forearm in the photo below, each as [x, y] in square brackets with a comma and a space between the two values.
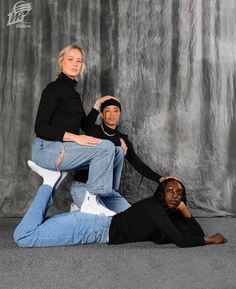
[69, 136]
[97, 105]
[182, 208]
[186, 213]
[84, 140]
[88, 122]
[141, 167]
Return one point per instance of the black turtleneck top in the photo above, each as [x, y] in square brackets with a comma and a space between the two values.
[60, 110]
[104, 132]
[151, 220]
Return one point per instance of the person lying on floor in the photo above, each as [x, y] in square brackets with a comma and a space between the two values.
[110, 112]
[162, 218]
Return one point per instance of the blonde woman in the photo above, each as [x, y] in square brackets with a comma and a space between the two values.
[59, 144]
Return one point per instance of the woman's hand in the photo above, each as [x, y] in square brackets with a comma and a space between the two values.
[83, 140]
[123, 146]
[99, 101]
[215, 239]
[170, 177]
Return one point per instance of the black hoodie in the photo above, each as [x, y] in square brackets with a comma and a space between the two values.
[151, 220]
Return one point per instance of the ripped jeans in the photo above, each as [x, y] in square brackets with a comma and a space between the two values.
[100, 159]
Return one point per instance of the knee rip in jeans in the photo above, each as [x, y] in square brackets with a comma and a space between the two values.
[60, 157]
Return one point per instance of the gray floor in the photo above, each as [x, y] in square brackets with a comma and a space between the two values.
[131, 266]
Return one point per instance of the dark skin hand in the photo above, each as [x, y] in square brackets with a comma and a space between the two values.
[215, 239]
[209, 240]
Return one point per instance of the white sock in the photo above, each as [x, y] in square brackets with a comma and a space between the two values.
[49, 177]
[63, 175]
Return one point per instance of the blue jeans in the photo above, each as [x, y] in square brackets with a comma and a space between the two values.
[100, 159]
[72, 228]
[113, 200]
[117, 167]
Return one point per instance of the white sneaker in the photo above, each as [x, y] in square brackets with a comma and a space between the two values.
[91, 206]
[74, 207]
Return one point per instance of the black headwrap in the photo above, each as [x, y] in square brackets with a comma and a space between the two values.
[110, 101]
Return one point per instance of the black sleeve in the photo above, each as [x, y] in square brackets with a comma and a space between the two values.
[170, 231]
[140, 166]
[89, 126]
[186, 225]
[49, 102]
[89, 121]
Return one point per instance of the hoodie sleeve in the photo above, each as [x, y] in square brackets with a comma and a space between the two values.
[138, 164]
[171, 232]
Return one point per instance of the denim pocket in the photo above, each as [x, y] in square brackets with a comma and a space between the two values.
[37, 147]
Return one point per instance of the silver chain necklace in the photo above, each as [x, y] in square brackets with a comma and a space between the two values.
[106, 132]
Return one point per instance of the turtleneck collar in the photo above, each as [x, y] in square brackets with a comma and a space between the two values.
[108, 130]
[71, 82]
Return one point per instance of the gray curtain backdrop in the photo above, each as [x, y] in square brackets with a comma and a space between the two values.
[172, 64]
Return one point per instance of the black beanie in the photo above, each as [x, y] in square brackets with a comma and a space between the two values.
[110, 101]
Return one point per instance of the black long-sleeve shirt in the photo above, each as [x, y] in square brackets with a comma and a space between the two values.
[113, 135]
[150, 220]
[60, 110]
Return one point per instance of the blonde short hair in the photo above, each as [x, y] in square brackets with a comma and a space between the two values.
[62, 53]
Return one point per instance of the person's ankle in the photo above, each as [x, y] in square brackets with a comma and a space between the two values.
[49, 177]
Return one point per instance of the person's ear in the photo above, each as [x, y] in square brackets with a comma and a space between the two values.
[101, 115]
